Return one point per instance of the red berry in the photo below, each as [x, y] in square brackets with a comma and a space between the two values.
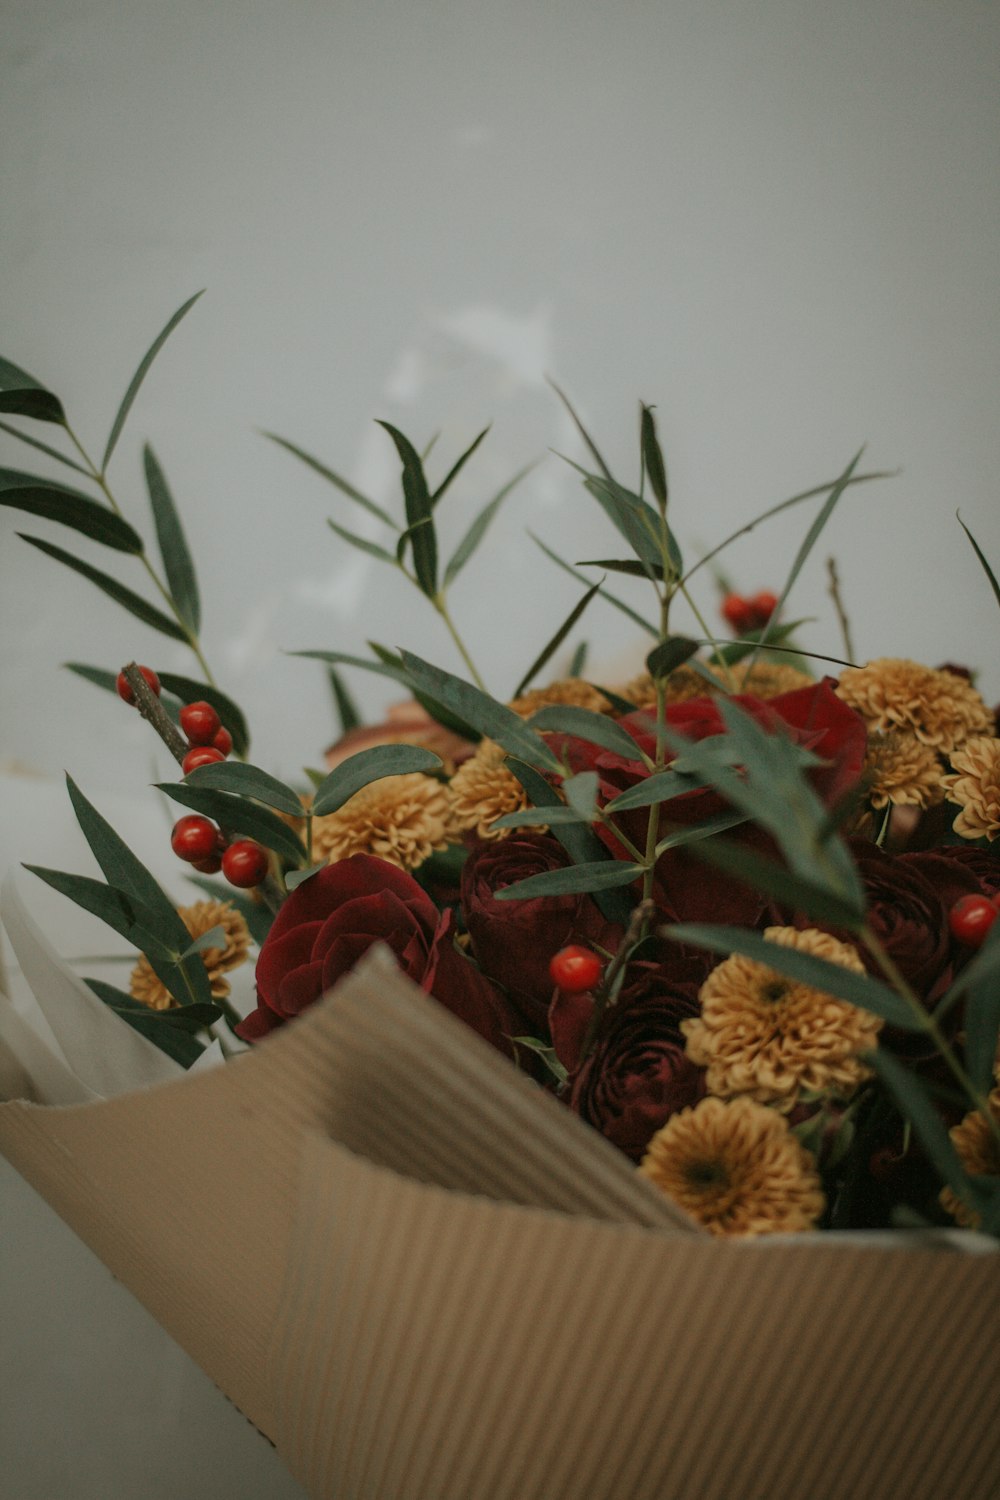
[737, 613]
[200, 755]
[763, 606]
[223, 741]
[210, 866]
[123, 687]
[971, 918]
[194, 838]
[245, 863]
[200, 722]
[575, 969]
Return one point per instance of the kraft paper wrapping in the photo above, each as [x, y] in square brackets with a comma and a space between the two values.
[424, 1280]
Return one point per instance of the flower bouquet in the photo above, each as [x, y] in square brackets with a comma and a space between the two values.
[617, 1112]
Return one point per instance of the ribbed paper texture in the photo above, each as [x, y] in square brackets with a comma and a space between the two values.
[436, 1284]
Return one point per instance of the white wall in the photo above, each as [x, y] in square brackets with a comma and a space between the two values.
[779, 222]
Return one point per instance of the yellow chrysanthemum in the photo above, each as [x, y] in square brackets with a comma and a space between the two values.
[683, 684]
[768, 679]
[144, 984]
[571, 691]
[765, 1035]
[482, 790]
[736, 1168]
[402, 819]
[978, 1150]
[976, 787]
[940, 708]
[899, 769]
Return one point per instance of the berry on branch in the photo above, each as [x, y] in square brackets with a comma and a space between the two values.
[575, 969]
[200, 722]
[245, 863]
[971, 918]
[200, 755]
[124, 688]
[194, 838]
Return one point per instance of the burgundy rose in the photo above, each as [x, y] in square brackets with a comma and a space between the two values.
[513, 941]
[637, 1073]
[332, 919]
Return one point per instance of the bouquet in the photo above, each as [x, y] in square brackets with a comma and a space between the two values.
[710, 954]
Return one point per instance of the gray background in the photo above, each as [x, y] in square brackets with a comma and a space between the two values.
[779, 222]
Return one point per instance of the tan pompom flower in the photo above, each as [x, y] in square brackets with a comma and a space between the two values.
[940, 708]
[482, 790]
[765, 1035]
[402, 819]
[572, 691]
[979, 1152]
[147, 987]
[736, 1168]
[683, 684]
[899, 769]
[768, 679]
[976, 787]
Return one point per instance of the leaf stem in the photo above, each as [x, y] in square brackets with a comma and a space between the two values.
[441, 606]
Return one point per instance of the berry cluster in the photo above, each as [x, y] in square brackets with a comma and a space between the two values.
[195, 838]
[744, 615]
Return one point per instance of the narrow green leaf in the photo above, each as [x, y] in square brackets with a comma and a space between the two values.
[858, 989]
[190, 691]
[582, 723]
[552, 646]
[680, 837]
[659, 787]
[139, 377]
[572, 879]
[295, 878]
[578, 839]
[994, 585]
[22, 396]
[406, 537]
[669, 655]
[255, 914]
[477, 708]
[359, 770]
[652, 455]
[215, 937]
[348, 713]
[580, 792]
[917, 1107]
[734, 651]
[479, 527]
[238, 815]
[335, 479]
[626, 565]
[592, 446]
[44, 448]
[619, 604]
[532, 817]
[579, 660]
[418, 508]
[121, 595]
[546, 1054]
[362, 543]
[343, 659]
[247, 781]
[43, 497]
[97, 675]
[618, 703]
[459, 464]
[177, 561]
[634, 518]
[102, 901]
[814, 900]
[176, 1041]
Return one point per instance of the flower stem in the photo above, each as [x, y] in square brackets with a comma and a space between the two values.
[442, 609]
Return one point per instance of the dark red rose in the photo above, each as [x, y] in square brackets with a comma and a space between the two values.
[330, 921]
[637, 1074]
[513, 941]
[814, 717]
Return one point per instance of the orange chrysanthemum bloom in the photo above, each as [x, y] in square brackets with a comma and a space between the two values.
[765, 1035]
[899, 769]
[976, 787]
[736, 1168]
[940, 708]
[402, 819]
[482, 790]
[979, 1152]
[768, 679]
[147, 987]
[571, 691]
[683, 684]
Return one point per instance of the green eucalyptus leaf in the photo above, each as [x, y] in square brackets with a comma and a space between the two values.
[584, 724]
[580, 792]
[991, 576]
[335, 479]
[652, 455]
[552, 646]
[99, 676]
[215, 937]
[623, 565]
[478, 529]
[659, 787]
[619, 604]
[418, 508]
[592, 446]
[177, 561]
[814, 900]
[111, 906]
[858, 989]
[477, 708]
[139, 377]
[360, 770]
[669, 655]
[362, 543]
[533, 817]
[343, 659]
[348, 713]
[238, 815]
[173, 1039]
[579, 660]
[406, 537]
[917, 1107]
[125, 597]
[44, 448]
[247, 781]
[255, 914]
[734, 651]
[188, 690]
[54, 502]
[572, 880]
[634, 518]
[295, 878]
[22, 396]
[680, 837]
[459, 464]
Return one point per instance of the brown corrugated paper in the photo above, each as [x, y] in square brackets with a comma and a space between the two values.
[424, 1280]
